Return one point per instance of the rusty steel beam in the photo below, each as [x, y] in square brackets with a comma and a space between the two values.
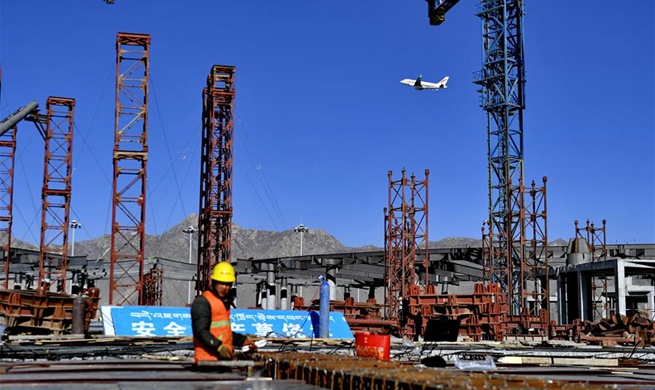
[130, 158]
[56, 194]
[215, 215]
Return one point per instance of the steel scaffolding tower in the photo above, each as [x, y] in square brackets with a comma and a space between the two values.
[533, 279]
[153, 280]
[406, 242]
[130, 162]
[215, 216]
[56, 193]
[597, 244]
[7, 157]
[502, 83]
[7, 154]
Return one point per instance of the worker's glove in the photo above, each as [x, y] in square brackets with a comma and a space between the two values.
[249, 346]
[225, 352]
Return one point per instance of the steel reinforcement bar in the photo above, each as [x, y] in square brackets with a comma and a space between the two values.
[348, 372]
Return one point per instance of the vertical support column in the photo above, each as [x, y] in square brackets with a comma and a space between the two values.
[284, 294]
[215, 216]
[130, 164]
[619, 286]
[270, 287]
[562, 299]
[56, 194]
[584, 296]
[331, 273]
[502, 80]
[7, 157]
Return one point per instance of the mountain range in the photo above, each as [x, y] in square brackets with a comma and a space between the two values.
[259, 244]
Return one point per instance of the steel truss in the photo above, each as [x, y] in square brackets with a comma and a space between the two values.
[130, 162]
[215, 216]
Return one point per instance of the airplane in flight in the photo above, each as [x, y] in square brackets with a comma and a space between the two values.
[420, 85]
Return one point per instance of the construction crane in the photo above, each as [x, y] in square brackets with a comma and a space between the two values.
[514, 221]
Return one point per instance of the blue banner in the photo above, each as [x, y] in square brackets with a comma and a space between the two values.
[152, 321]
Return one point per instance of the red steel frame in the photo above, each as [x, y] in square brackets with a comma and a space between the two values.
[130, 162]
[406, 230]
[56, 193]
[215, 216]
[7, 157]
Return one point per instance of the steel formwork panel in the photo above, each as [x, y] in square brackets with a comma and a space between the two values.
[215, 216]
[130, 158]
[56, 194]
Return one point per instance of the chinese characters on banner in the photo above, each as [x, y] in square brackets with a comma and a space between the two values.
[151, 321]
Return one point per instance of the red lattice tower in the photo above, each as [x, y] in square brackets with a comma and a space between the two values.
[215, 216]
[130, 162]
[56, 193]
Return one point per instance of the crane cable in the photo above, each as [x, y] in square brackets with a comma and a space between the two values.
[252, 158]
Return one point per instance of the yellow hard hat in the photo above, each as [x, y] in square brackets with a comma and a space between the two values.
[223, 272]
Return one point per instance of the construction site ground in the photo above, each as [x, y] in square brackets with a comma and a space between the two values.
[162, 363]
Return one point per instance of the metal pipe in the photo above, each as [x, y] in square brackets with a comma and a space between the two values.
[17, 116]
[324, 310]
[79, 315]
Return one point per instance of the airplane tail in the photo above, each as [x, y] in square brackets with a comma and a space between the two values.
[444, 81]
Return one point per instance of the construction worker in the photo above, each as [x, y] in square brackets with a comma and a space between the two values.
[213, 338]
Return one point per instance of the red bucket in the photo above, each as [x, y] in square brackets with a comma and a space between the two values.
[373, 345]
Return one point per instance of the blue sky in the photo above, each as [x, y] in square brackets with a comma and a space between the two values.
[321, 116]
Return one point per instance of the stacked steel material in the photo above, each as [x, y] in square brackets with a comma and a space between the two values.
[481, 315]
[636, 330]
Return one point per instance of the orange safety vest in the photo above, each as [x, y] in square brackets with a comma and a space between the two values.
[220, 328]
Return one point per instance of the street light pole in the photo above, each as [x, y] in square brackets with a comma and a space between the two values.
[301, 229]
[74, 225]
[190, 230]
